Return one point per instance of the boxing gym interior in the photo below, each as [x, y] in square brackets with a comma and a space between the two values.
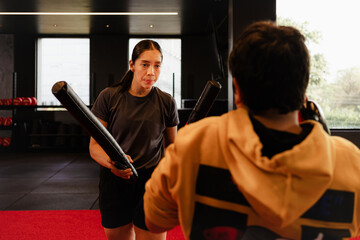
[44, 158]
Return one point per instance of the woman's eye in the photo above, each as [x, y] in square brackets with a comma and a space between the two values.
[157, 66]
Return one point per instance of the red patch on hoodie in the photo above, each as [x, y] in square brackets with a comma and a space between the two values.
[222, 233]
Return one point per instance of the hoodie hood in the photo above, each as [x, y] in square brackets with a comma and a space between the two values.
[281, 188]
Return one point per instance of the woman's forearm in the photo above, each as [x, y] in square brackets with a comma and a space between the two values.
[98, 154]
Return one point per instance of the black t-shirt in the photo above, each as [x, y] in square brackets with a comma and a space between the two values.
[138, 123]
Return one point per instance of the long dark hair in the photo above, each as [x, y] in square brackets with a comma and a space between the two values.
[139, 48]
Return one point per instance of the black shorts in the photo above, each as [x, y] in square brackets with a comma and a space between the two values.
[121, 202]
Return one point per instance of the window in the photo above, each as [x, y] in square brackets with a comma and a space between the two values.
[63, 59]
[170, 75]
[333, 41]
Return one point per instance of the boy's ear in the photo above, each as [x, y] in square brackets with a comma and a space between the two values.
[237, 94]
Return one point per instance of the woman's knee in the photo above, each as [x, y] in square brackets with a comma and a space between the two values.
[125, 232]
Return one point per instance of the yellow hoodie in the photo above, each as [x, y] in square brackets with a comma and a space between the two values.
[214, 182]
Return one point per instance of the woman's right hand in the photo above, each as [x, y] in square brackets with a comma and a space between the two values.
[125, 174]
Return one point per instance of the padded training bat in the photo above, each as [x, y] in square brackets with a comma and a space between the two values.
[71, 101]
[205, 102]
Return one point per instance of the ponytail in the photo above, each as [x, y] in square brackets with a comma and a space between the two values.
[125, 82]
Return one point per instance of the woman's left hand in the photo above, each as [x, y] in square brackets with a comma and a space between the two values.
[125, 174]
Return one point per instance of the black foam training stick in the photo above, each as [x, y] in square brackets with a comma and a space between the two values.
[311, 110]
[71, 101]
[205, 102]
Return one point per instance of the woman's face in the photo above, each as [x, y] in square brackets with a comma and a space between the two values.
[146, 69]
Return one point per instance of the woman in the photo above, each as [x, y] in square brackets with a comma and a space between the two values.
[143, 120]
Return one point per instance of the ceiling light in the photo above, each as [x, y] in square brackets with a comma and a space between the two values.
[151, 26]
[91, 13]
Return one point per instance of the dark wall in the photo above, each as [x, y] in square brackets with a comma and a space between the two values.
[108, 61]
[245, 12]
[25, 64]
[199, 66]
[6, 65]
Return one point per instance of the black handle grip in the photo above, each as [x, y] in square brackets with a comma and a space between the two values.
[311, 110]
[71, 101]
[205, 102]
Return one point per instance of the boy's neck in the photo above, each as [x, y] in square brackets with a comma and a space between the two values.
[288, 122]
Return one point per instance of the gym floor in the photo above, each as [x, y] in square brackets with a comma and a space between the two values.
[48, 181]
